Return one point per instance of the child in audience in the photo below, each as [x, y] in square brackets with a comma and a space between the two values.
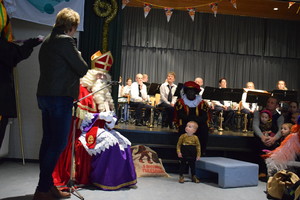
[293, 108]
[295, 117]
[288, 150]
[285, 130]
[188, 150]
[266, 123]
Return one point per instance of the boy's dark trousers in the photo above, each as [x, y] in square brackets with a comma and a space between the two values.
[189, 154]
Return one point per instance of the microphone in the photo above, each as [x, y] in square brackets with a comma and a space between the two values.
[114, 82]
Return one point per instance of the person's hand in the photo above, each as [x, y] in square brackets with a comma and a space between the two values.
[270, 141]
[179, 155]
[264, 138]
[198, 158]
[32, 42]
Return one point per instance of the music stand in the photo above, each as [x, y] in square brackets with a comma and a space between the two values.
[178, 89]
[153, 89]
[257, 97]
[211, 93]
[232, 94]
[285, 95]
[147, 85]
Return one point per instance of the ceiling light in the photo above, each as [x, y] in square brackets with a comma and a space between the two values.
[275, 8]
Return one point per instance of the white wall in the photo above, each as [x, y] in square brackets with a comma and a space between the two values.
[28, 75]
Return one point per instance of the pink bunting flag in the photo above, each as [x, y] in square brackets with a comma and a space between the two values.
[291, 3]
[169, 12]
[192, 12]
[124, 3]
[147, 8]
[214, 8]
[233, 2]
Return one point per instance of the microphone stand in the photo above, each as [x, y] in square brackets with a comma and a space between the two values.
[71, 182]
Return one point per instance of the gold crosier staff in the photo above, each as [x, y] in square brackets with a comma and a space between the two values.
[16, 82]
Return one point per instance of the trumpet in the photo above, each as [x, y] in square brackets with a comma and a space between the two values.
[220, 120]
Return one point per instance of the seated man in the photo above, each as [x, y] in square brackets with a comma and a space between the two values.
[168, 100]
[139, 99]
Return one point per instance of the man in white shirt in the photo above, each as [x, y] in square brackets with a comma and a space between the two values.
[139, 99]
[168, 100]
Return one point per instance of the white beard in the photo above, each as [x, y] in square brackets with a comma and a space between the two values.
[102, 96]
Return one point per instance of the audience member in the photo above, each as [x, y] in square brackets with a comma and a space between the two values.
[188, 151]
[265, 123]
[295, 117]
[139, 100]
[191, 108]
[168, 100]
[293, 108]
[61, 66]
[288, 150]
[265, 142]
[10, 55]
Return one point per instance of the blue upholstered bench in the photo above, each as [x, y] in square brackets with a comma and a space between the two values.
[231, 173]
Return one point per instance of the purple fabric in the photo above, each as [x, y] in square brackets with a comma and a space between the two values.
[87, 128]
[113, 169]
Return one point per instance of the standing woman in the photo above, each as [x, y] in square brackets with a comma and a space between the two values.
[61, 67]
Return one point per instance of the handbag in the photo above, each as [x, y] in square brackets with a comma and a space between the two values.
[278, 184]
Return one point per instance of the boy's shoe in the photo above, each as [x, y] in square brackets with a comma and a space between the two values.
[181, 179]
[195, 179]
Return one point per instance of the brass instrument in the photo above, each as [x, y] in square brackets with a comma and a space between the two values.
[245, 123]
[220, 120]
[239, 117]
[151, 122]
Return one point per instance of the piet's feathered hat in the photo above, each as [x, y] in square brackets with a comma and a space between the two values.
[192, 85]
[102, 62]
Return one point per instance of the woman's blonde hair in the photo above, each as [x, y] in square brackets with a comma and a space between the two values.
[66, 19]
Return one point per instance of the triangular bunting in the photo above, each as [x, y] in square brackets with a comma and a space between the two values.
[233, 2]
[192, 12]
[147, 8]
[169, 12]
[291, 3]
[214, 8]
[124, 3]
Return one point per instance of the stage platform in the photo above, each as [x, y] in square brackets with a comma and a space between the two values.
[230, 144]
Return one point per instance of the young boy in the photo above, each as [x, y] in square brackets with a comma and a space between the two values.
[188, 150]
